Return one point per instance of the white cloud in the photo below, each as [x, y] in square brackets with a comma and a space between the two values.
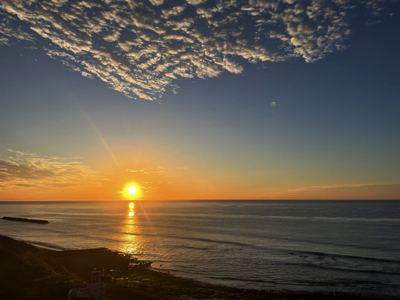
[140, 49]
[195, 2]
[9, 32]
[156, 2]
[173, 11]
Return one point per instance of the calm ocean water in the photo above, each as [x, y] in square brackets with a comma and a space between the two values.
[294, 245]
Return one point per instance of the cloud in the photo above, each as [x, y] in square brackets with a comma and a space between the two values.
[140, 48]
[10, 32]
[172, 11]
[182, 168]
[326, 187]
[195, 2]
[158, 170]
[369, 191]
[28, 170]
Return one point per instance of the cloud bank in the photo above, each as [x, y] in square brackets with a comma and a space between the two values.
[140, 47]
[28, 170]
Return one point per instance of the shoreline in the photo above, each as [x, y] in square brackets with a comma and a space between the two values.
[126, 280]
[44, 247]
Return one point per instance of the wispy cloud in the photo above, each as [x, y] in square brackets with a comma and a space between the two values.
[139, 48]
[341, 191]
[28, 170]
[326, 187]
[158, 170]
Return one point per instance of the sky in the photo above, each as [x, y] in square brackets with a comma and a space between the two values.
[199, 99]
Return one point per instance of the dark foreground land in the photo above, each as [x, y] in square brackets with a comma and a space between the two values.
[28, 272]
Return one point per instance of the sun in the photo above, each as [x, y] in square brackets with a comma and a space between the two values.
[132, 190]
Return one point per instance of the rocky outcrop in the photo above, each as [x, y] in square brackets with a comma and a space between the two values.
[26, 220]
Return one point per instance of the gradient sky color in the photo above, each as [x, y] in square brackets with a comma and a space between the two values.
[199, 99]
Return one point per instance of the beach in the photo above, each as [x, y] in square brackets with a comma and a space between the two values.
[31, 272]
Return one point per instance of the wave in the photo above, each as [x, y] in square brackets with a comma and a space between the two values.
[44, 245]
[297, 218]
[354, 257]
[345, 269]
[194, 239]
[193, 247]
[319, 255]
[328, 283]
[291, 252]
[243, 279]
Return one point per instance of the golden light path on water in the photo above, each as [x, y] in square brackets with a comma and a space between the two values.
[130, 240]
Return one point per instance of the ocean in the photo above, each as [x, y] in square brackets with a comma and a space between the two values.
[330, 246]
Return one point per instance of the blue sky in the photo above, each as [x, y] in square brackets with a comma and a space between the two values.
[176, 98]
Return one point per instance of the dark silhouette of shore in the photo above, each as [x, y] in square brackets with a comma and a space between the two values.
[29, 272]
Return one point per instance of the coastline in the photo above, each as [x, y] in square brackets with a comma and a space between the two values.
[58, 271]
[37, 245]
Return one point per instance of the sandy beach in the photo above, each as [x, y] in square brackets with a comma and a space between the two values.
[31, 272]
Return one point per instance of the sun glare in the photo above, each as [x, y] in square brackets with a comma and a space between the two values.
[132, 190]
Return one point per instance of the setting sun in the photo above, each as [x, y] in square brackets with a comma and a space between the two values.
[132, 190]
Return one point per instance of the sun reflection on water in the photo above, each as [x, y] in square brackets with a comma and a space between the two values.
[130, 241]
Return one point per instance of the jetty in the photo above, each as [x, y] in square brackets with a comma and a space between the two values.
[26, 220]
